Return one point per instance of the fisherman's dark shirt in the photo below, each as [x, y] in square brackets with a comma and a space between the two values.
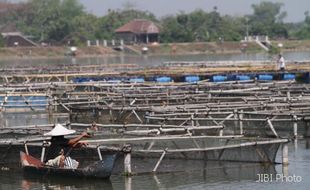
[57, 143]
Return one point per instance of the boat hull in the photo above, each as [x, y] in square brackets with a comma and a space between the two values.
[99, 169]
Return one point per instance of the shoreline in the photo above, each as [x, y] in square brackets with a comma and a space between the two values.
[172, 49]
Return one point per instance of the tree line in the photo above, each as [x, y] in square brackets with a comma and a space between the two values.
[59, 21]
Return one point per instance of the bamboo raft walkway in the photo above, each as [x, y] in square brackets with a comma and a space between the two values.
[66, 73]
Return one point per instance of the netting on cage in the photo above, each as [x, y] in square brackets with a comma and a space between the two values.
[208, 149]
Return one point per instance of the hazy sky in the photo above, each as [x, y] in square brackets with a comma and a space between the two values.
[294, 8]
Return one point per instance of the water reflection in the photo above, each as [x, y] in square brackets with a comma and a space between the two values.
[308, 143]
[59, 183]
[128, 183]
[296, 144]
[73, 61]
[285, 170]
[187, 179]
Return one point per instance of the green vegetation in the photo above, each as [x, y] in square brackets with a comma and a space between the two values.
[63, 21]
[201, 26]
[268, 19]
[50, 19]
[304, 32]
[1, 41]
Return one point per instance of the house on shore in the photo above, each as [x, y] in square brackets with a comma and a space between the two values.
[138, 31]
[13, 38]
[16, 39]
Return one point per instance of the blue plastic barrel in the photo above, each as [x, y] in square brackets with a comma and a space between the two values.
[86, 79]
[219, 78]
[37, 100]
[306, 79]
[265, 77]
[81, 79]
[114, 81]
[14, 101]
[163, 79]
[192, 78]
[95, 79]
[242, 77]
[137, 80]
[289, 76]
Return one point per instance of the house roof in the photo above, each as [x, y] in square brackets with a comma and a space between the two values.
[18, 34]
[139, 26]
[7, 6]
[6, 34]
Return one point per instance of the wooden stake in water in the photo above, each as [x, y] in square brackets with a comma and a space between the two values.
[127, 164]
[284, 154]
[295, 126]
[241, 122]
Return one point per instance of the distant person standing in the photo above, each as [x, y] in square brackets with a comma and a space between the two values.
[281, 62]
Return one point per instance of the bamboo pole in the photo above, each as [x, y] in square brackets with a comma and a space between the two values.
[99, 153]
[167, 137]
[295, 126]
[222, 120]
[272, 128]
[127, 164]
[246, 144]
[160, 159]
[172, 130]
[241, 121]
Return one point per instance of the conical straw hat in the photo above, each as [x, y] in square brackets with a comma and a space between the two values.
[59, 130]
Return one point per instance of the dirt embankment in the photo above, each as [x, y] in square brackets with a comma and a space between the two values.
[293, 45]
[198, 48]
[46, 52]
[155, 49]
[223, 47]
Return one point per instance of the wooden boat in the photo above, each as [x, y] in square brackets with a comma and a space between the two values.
[97, 169]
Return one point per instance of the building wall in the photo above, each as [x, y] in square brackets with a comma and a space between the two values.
[151, 38]
[130, 38]
[10, 41]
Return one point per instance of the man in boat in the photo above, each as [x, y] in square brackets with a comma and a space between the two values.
[61, 146]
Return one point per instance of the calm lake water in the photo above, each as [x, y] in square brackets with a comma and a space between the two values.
[234, 176]
[155, 60]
